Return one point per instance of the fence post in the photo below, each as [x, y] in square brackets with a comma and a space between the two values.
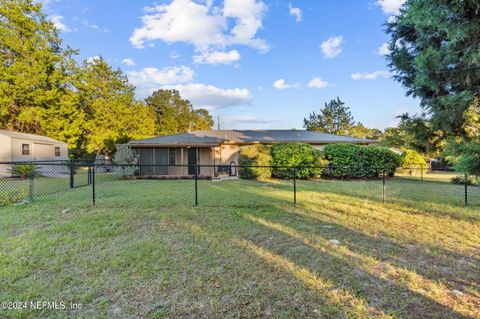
[294, 187]
[94, 195]
[72, 172]
[30, 187]
[196, 185]
[421, 172]
[89, 173]
[383, 190]
[466, 189]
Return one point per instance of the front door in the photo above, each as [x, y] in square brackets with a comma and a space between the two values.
[193, 160]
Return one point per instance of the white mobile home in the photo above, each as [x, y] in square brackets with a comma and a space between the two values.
[16, 147]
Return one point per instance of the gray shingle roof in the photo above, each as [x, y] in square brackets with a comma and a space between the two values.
[32, 137]
[215, 137]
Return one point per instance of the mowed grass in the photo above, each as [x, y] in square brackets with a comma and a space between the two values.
[145, 251]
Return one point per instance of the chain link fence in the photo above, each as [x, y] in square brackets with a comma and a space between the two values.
[77, 183]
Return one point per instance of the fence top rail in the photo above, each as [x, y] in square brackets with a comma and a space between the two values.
[85, 163]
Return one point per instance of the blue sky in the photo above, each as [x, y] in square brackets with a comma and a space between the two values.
[256, 64]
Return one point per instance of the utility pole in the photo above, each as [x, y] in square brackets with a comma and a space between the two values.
[218, 123]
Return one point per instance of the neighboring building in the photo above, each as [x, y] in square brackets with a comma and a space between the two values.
[16, 147]
[218, 148]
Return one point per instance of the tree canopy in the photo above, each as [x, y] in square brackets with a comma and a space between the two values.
[334, 118]
[172, 114]
[435, 55]
[89, 105]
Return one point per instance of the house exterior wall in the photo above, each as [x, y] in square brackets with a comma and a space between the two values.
[39, 151]
[5, 148]
[226, 154]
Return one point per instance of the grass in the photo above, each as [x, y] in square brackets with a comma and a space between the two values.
[245, 251]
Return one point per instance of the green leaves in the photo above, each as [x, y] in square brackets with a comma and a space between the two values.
[334, 118]
[355, 161]
[435, 54]
[172, 114]
[295, 154]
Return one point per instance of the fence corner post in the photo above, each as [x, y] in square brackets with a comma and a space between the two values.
[196, 184]
[94, 195]
[72, 168]
[466, 188]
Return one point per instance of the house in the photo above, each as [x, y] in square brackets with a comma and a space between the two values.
[217, 148]
[20, 147]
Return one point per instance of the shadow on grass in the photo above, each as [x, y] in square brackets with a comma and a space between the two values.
[321, 270]
[455, 270]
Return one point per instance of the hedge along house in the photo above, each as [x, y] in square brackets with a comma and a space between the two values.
[217, 149]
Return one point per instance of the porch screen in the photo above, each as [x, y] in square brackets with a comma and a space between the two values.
[161, 158]
[146, 158]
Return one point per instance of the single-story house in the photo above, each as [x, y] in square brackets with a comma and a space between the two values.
[21, 147]
[217, 148]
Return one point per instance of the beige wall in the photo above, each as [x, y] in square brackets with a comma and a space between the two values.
[5, 149]
[38, 151]
[225, 154]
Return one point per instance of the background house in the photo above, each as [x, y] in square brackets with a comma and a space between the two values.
[218, 148]
[15, 146]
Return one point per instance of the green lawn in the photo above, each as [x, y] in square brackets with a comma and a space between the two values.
[145, 251]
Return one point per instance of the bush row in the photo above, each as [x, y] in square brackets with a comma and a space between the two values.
[355, 161]
[342, 160]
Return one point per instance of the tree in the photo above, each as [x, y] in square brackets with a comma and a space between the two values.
[172, 114]
[360, 131]
[334, 118]
[394, 137]
[113, 116]
[435, 55]
[35, 82]
[420, 135]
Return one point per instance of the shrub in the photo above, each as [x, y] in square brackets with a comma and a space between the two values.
[23, 170]
[460, 180]
[13, 196]
[355, 161]
[255, 155]
[295, 154]
[127, 159]
[412, 162]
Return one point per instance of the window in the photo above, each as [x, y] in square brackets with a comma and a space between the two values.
[25, 149]
[57, 151]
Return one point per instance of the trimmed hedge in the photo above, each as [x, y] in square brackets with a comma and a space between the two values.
[295, 154]
[255, 155]
[355, 161]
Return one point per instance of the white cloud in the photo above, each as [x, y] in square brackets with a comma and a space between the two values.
[332, 47]
[212, 97]
[128, 61]
[390, 6]
[281, 84]
[384, 49]
[217, 57]
[207, 27]
[233, 119]
[149, 79]
[370, 76]
[93, 26]
[93, 58]
[57, 22]
[296, 12]
[317, 83]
